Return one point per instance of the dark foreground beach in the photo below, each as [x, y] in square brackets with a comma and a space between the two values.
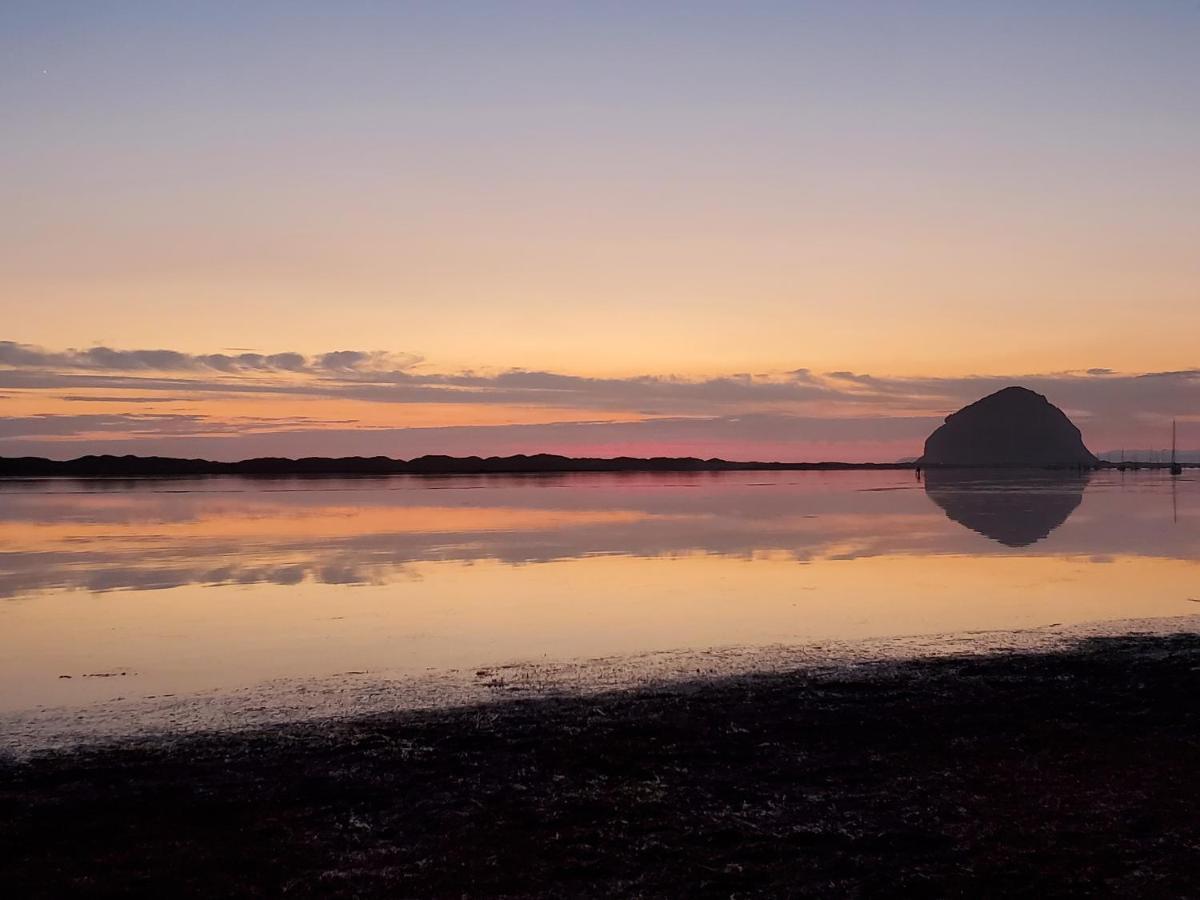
[1074, 772]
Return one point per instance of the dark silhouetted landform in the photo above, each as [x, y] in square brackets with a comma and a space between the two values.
[1012, 427]
[144, 466]
[538, 464]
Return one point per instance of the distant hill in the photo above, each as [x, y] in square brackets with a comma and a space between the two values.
[1012, 427]
[162, 466]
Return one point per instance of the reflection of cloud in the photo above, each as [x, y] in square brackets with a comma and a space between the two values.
[374, 532]
[138, 541]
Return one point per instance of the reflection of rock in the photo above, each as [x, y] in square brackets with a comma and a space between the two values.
[1012, 427]
[1015, 509]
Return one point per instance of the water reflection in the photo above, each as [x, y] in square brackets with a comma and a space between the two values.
[103, 536]
[207, 584]
[1016, 509]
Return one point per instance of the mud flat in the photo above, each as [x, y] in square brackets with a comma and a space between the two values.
[1038, 762]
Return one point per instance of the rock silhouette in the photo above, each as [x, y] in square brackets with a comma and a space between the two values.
[1012, 427]
[1010, 508]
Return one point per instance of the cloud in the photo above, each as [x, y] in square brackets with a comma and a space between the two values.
[28, 356]
[117, 398]
[1112, 408]
[377, 376]
[86, 427]
[73, 426]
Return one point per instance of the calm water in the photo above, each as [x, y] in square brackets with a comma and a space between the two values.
[143, 587]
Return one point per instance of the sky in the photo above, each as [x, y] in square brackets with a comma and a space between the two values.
[753, 230]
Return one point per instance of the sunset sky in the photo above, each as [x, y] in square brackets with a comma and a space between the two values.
[751, 230]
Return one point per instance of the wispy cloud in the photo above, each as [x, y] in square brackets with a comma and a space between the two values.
[760, 414]
[106, 359]
[123, 425]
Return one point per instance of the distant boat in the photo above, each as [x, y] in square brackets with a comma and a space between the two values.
[1176, 468]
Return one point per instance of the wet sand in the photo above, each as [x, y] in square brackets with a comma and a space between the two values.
[361, 693]
[1063, 770]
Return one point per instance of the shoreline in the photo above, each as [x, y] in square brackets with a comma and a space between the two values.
[129, 466]
[106, 466]
[317, 700]
[1065, 769]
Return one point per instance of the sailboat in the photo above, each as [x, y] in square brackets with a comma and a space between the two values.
[1176, 468]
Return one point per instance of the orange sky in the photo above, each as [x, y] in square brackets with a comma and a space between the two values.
[602, 192]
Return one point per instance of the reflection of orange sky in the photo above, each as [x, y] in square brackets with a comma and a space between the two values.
[265, 525]
[328, 521]
[454, 615]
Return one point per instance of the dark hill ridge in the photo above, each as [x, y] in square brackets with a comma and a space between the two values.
[542, 463]
[1012, 427]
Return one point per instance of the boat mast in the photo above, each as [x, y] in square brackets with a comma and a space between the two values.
[1176, 468]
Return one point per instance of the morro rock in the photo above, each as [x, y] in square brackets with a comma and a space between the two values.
[1012, 427]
